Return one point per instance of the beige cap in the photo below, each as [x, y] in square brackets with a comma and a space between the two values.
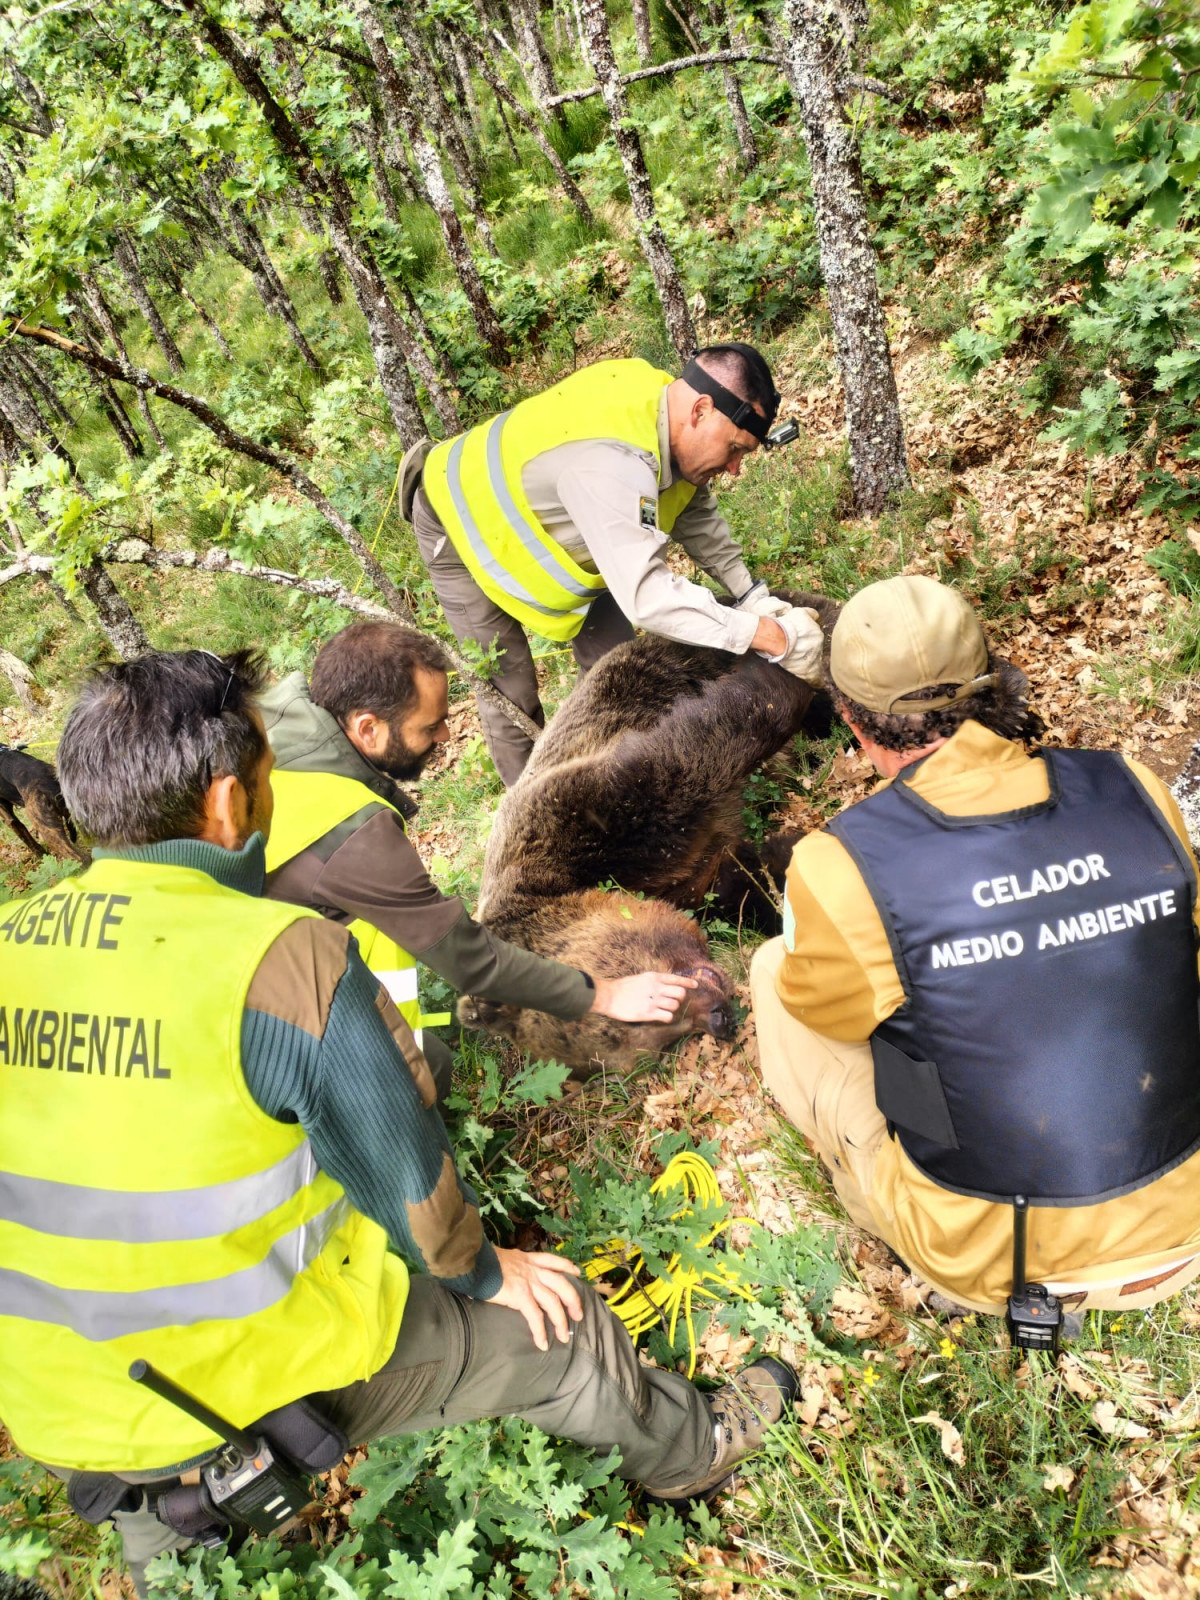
[905, 634]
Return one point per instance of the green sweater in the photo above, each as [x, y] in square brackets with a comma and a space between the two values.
[347, 1083]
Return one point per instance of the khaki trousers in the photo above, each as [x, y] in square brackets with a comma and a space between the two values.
[826, 1088]
[472, 615]
[457, 1360]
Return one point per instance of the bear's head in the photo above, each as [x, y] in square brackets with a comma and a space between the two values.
[611, 935]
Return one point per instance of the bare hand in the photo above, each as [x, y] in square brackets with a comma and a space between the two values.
[539, 1285]
[769, 638]
[646, 997]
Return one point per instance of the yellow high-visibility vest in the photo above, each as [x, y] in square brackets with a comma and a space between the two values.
[308, 805]
[473, 483]
[148, 1208]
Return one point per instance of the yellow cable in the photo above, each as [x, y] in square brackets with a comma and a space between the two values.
[382, 520]
[644, 1306]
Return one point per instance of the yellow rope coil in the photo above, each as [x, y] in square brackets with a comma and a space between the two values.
[642, 1306]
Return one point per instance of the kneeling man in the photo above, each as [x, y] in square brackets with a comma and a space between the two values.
[987, 982]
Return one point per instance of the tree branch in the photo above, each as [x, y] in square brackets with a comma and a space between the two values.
[241, 444]
[710, 58]
[852, 81]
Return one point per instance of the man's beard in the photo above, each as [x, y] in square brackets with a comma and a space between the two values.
[400, 761]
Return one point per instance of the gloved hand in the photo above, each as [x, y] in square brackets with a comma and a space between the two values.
[761, 602]
[806, 643]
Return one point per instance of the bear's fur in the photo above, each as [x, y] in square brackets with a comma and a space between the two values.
[636, 784]
[33, 785]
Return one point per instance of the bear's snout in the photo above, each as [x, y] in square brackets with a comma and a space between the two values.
[720, 1022]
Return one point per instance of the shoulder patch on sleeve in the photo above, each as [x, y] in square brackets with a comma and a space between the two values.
[648, 512]
[297, 977]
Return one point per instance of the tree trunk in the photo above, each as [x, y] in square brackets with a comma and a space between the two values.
[462, 71]
[403, 121]
[21, 679]
[654, 241]
[747, 144]
[327, 260]
[436, 113]
[878, 466]
[641, 29]
[38, 381]
[379, 171]
[19, 405]
[429, 344]
[507, 131]
[445, 70]
[272, 290]
[175, 277]
[122, 628]
[327, 188]
[126, 258]
[148, 419]
[106, 319]
[127, 435]
[391, 341]
[532, 52]
[531, 125]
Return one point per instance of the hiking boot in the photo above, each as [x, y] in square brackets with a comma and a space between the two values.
[743, 1410]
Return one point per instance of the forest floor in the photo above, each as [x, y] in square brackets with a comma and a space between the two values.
[1030, 1478]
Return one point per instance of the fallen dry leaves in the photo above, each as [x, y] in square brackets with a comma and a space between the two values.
[951, 1439]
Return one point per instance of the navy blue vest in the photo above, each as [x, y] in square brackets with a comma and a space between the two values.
[1049, 1044]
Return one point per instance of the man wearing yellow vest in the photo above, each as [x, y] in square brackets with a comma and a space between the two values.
[374, 713]
[554, 518]
[214, 1119]
[986, 989]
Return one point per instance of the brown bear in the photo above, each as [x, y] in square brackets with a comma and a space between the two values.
[627, 817]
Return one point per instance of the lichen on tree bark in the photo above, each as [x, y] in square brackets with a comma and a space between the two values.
[594, 20]
[819, 35]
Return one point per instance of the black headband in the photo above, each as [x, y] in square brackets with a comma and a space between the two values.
[740, 412]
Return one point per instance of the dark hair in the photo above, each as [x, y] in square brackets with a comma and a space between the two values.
[146, 738]
[371, 666]
[742, 370]
[1003, 708]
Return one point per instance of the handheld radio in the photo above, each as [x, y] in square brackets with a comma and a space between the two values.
[247, 1484]
[1035, 1316]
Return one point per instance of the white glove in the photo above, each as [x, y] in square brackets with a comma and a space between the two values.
[762, 603]
[805, 644]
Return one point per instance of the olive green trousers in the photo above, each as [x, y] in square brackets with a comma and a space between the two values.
[457, 1360]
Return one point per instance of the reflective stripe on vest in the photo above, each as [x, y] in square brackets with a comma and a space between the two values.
[474, 484]
[308, 805]
[1049, 1044]
[148, 1207]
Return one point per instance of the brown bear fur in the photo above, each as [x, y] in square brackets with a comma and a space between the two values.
[637, 783]
[33, 785]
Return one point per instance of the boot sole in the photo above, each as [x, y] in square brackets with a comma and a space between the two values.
[701, 1497]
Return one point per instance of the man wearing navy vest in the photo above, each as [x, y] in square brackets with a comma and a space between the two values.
[987, 981]
[553, 519]
[214, 1122]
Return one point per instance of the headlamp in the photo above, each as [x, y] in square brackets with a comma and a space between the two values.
[783, 433]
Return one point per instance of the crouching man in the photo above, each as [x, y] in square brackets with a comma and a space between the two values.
[237, 1121]
[987, 981]
[375, 714]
